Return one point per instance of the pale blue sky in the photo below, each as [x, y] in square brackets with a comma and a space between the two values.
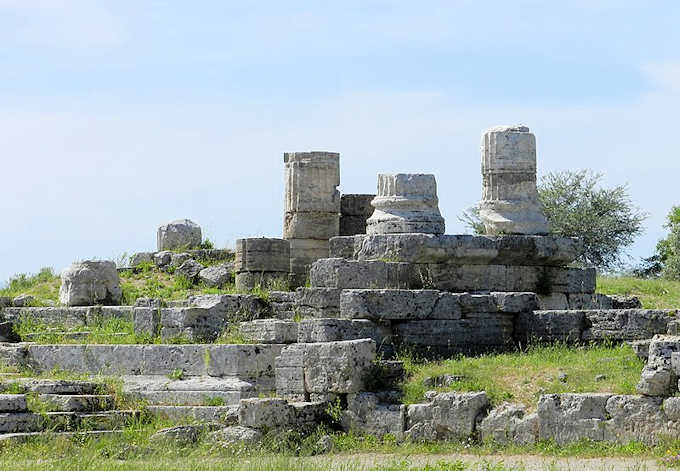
[117, 116]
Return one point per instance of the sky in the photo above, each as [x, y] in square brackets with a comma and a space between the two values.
[118, 116]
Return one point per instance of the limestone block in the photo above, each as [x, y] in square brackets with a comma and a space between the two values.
[236, 435]
[177, 259]
[637, 418]
[311, 181]
[549, 326]
[626, 324]
[163, 258]
[318, 302]
[52, 386]
[344, 274]
[195, 323]
[344, 246]
[515, 302]
[189, 269]
[641, 348]
[406, 203]
[509, 197]
[270, 331]
[262, 255]
[5, 301]
[141, 257]
[332, 330]
[366, 414]
[247, 281]
[217, 275]
[233, 306]
[24, 300]
[472, 333]
[309, 412]
[567, 418]
[147, 321]
[303, 253]
[244, 361]
[90, 282]
[12, 403]
[179, 234]
[265, 413]
[311, 225]
[352, 225]
[625, 302]
[469, 249]
[77, 402]
[451, 415]
[399, 304]
[553, 302]
[338, 367]
[509, 424]
[21, 422]
[460, 278]
[70, 317]
[356, 205]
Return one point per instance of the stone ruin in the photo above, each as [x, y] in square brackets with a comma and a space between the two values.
[374, 274]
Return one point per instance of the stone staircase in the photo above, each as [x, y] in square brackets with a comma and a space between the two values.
[59, 406]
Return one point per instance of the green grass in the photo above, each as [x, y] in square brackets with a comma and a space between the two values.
[653, 293]
[524, 376]
[104, 331]
[43, 286]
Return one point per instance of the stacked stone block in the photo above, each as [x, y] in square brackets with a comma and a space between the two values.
[312, 208]
[262, 263]
[354, 212]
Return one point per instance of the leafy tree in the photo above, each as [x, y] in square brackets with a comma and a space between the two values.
[666, 260]
[575, 206]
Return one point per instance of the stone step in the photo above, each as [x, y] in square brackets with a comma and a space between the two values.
[25, 436]
[77, 402]
[193, 390]
[191, 398]
[227, 415]
[66, 335]
[28, 422]
[247, 361]
[596, 324]
[51, 386]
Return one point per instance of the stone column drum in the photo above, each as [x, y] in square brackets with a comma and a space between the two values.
[312, 208]
[406, 203]
[509, 197]
[262, 262]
